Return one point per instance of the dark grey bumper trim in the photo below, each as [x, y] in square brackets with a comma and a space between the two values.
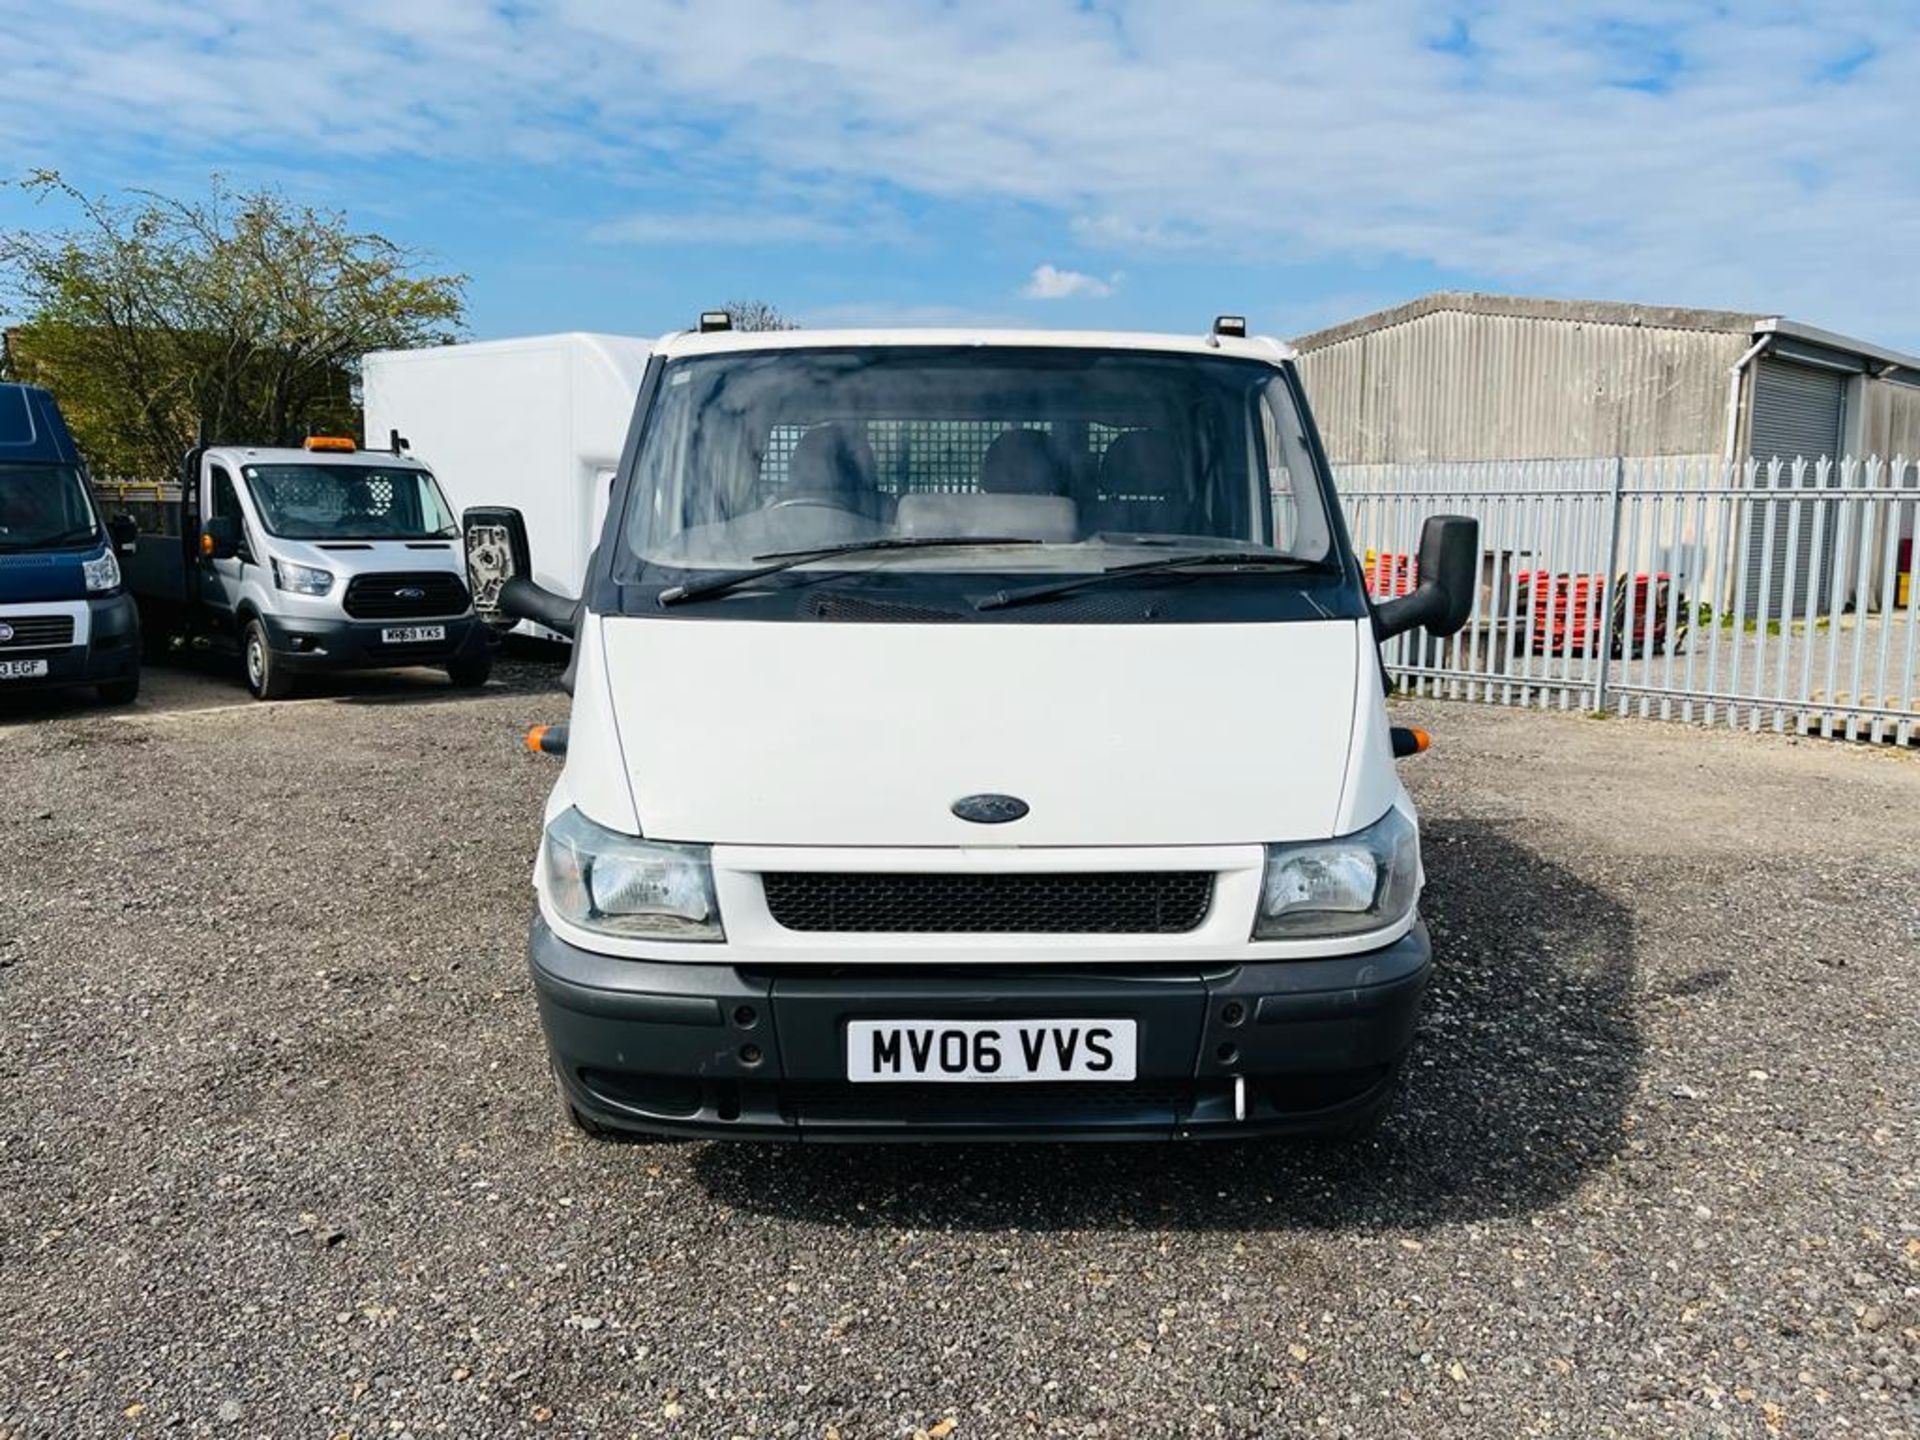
[761, 1054]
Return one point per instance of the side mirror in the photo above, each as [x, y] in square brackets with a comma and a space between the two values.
[500, 573]
[220, 538]
[124, 531]
[1449, 564]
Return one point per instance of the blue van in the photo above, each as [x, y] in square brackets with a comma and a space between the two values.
[65, 619]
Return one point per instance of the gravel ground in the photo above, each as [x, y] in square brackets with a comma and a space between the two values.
[278, 1154]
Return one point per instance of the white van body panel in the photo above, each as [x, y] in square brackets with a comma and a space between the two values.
[536, 423]
[773, 733]
[679, 344]
[595, 778]
[1373, 780]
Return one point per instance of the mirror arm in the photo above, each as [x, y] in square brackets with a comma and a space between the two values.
[1404, 612]
[525, 600]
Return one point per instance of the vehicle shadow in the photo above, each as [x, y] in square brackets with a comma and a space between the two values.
[34, 707]
[189, 678]
[1516, 1089]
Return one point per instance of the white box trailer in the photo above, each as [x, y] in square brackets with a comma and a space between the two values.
[535, 423]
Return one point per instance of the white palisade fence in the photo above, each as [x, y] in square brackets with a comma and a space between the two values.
[1775, 594]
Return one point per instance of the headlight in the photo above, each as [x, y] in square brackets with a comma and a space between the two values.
[103, 573]
[301, 579]
[1360, 882]
[619, 884]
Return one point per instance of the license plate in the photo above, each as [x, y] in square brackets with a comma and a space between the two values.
[22, 669]
[990, 1050]
[412, 634]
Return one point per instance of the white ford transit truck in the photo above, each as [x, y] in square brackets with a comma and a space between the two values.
[324, 558]
[975, 735]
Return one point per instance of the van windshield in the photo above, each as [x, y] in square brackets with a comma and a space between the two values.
[348, 502]
[1076, 453]
[44, 507]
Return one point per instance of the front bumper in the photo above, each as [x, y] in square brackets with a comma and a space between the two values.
[306, 645]
[717, 1051]
[111, 650]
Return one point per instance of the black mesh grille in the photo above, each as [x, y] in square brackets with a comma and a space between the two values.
[400, 596]
[33, 631]
[832, 605]
[1128, 902]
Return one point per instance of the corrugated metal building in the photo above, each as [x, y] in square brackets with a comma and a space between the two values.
[1467, 377]
[1461, 378]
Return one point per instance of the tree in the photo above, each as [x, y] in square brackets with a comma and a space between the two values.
[757, 315]
[243, 310]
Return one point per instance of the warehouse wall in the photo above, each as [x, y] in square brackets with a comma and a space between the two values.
[1892, 422]
[1455, 386]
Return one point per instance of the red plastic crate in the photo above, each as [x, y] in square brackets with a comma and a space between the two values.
[1387, 574]
[1565, 616]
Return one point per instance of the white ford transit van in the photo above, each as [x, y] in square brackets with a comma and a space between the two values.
[975, 735]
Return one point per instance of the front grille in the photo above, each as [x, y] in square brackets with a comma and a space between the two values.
[33, 632]
[379, 597]
[1119, 902]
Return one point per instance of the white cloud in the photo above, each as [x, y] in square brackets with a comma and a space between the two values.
[1604, 147]
[1048, 283]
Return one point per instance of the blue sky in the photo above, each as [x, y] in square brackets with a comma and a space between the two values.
[619, 166]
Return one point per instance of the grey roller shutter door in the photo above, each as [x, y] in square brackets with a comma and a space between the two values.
[1797, 413]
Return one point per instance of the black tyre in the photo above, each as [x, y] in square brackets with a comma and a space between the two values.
[470, 674]
[119, 692]
[267, 678]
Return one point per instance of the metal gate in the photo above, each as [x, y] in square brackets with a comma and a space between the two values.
[1776, 594]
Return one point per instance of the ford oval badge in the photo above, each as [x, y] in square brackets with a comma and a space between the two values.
[6, 632]
[990, 809]
[410, 592]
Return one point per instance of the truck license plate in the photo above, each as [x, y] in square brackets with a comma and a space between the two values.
[410, 634]
[22, 669]
[990, 1050]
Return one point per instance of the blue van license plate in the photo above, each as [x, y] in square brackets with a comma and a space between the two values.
[22, 669]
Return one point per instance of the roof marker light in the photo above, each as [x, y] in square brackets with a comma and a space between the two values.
[1233, 325]
[329, 442]
[712, 320]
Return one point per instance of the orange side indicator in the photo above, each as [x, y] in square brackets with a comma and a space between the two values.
[547, 739]
[1409, 740]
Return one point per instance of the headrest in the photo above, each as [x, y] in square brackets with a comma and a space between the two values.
[1022, 462]
[1143, 463]
[831, 459]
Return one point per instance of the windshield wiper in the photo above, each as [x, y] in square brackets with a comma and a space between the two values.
[779, 560]
[1258, 560]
